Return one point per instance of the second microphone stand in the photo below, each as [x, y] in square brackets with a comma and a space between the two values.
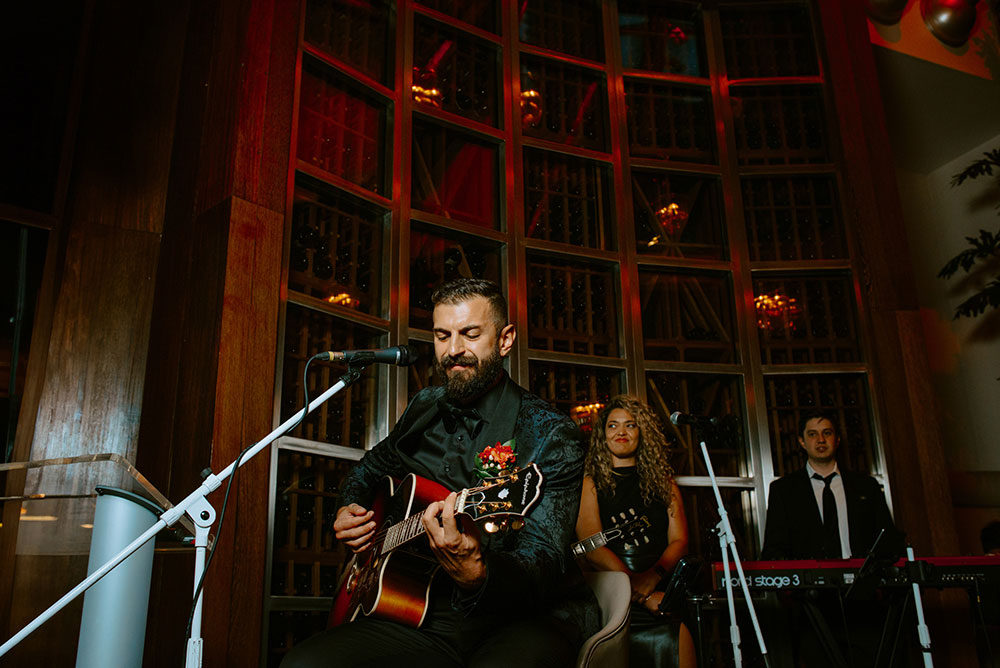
[727, 547]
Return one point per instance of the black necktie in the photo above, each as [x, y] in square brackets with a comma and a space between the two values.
[831, 525]
[452, 415]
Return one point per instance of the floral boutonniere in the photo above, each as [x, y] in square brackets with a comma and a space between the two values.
[496, 460]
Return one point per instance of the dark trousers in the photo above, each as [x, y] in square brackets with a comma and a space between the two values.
[448, 638]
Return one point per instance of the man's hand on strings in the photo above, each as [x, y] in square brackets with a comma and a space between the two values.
[458, 551]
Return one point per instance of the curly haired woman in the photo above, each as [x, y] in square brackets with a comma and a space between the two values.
[628, 475]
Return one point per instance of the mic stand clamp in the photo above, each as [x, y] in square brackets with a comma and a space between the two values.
[203, 515]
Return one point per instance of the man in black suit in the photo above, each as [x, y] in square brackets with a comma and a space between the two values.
[797, 526]
[822, 512]
[499, 598]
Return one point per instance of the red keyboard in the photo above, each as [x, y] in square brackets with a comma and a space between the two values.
[841, 573]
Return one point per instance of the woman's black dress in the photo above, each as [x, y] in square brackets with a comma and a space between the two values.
[652, 639]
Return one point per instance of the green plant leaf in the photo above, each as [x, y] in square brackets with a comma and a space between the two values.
[982, 167]
[985, 246]
[988, 297]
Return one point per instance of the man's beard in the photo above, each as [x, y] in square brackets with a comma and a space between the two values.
[466, 386]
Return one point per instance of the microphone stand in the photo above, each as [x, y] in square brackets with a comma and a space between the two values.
[197, 507]
[727, 545]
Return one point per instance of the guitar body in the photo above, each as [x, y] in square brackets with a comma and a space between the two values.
[391, 579]
[394, 585]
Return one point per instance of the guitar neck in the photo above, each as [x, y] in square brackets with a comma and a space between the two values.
[508, 497]
[401, 533]
[591, 543]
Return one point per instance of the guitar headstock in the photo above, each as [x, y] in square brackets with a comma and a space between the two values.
[630, 529]
[502, 502]
[635, 527]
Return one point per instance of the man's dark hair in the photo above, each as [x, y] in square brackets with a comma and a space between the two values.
[990, 537]
[464, 289]
[818, 414]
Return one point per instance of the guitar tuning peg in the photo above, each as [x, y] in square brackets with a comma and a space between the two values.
[517, 524]
[491, 527]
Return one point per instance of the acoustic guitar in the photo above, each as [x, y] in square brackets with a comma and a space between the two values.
[391, 580]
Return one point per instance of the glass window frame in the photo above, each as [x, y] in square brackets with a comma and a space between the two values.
[515, 247]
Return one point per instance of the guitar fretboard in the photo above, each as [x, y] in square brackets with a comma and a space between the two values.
[589, 544]
[403, 532]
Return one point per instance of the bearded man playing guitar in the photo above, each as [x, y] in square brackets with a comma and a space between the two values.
[497, 598]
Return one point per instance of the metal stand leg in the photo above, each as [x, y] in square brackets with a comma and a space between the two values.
[203, 515]
[734, 628]
[923, 633]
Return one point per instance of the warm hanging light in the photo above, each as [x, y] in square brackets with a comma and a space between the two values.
[583, 414]
[425, 79]
[342, 299]
[425, 90]
[776, 311]
[531, 107]
[671, 218]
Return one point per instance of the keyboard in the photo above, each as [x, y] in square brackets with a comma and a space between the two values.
[935, 572]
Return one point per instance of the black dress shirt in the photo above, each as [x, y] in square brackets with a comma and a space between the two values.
[448, 440]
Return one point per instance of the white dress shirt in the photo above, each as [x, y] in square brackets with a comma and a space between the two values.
[837, 487]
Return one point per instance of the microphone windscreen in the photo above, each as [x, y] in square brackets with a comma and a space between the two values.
[407, 356]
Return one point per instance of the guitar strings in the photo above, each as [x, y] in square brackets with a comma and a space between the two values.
[380, 536]
[411, 520]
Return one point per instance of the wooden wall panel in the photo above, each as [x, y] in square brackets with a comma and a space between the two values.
[244, 396]
[175, 439]
[127, 118]
[98, 346]
[85, 382]
[215, 321]
[221, 33]
[33, 390]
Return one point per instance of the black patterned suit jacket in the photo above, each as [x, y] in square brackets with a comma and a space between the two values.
[528, 571]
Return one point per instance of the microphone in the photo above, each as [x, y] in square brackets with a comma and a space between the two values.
[398, 355]
[679, 418]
